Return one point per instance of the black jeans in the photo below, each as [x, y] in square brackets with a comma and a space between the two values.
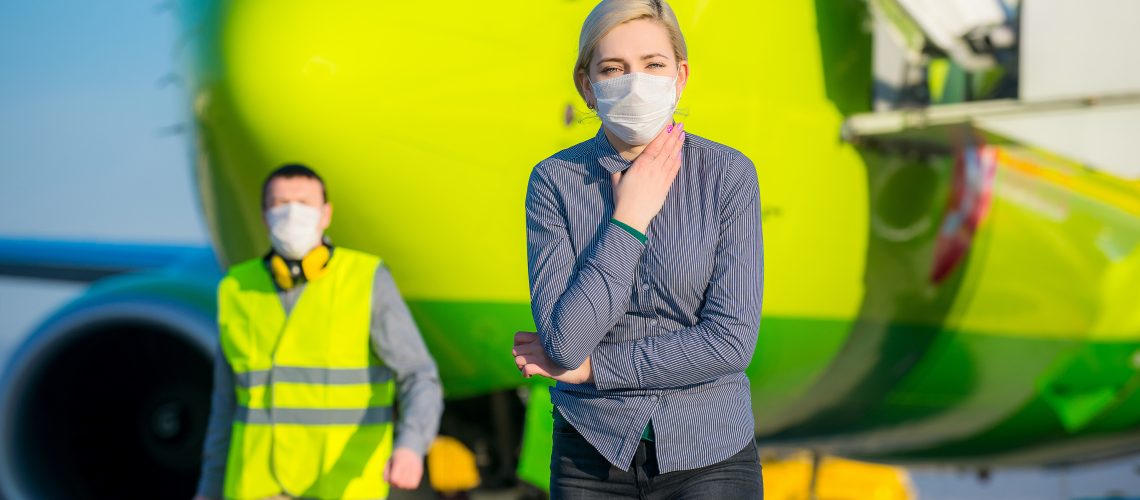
[579, 472]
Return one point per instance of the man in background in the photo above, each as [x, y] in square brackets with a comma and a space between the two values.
[315, 345]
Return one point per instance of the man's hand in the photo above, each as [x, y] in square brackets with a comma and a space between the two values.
[532, 360]
[405, 469]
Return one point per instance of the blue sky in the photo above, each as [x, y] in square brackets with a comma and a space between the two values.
[81, 120]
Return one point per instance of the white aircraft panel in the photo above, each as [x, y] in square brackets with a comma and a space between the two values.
[1073, 49]
[1106, 138]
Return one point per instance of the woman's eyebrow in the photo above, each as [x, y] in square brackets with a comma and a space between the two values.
[620, 60]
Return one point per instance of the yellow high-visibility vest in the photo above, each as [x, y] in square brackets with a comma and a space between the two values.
[314, 403]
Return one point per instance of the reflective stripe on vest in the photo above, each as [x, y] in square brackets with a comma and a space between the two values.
[305, 375]
[305, 416]
[314, 403]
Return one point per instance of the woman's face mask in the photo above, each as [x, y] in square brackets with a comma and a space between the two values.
[636, 106]
[294, 229]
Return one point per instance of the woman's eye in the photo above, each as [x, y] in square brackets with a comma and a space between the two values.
[656, 65]
[609, 70]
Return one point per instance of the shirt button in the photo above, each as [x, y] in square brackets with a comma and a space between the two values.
[653, 397]
[653, 323]
[646, 286]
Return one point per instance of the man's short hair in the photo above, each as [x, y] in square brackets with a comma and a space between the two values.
[290, 171]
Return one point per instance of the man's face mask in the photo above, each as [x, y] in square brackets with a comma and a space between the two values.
[294, 229]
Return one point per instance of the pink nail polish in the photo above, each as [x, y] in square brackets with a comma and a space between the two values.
[670, 129]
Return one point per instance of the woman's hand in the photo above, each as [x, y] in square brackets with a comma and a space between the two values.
[531, 360]
[640, 191]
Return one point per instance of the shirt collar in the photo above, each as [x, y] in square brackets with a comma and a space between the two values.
[608, 157]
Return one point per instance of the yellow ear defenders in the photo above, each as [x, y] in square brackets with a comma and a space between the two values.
[313, 266]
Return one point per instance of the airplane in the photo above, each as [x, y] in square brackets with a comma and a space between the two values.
[942, 285]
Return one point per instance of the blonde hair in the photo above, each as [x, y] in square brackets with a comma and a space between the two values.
[609, 14]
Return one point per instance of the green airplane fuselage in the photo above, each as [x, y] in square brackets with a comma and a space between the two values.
[891, 327]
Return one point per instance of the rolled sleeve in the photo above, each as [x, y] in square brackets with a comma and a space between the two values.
[724, 339]
[575, 305]
[613, 366]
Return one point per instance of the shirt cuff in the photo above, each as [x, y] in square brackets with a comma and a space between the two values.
[612, 366]
[636, 234]
[413, 443]
[616, 254]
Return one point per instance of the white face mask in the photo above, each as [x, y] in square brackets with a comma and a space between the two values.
[294, 229]
[635, 107]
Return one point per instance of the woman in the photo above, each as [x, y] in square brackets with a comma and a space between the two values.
[646, 272]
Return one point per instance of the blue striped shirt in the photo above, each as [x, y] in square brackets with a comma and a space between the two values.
[670, 324]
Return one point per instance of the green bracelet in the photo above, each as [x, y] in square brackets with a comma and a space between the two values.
[636, 234]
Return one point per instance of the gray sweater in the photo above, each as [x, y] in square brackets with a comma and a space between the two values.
[396, 341]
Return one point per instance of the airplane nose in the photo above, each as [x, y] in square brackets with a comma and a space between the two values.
[301, 72]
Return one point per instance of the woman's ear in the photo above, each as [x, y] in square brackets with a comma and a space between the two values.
[587, 90]
[682, 75]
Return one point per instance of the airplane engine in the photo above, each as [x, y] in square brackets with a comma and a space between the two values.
[109, 398]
